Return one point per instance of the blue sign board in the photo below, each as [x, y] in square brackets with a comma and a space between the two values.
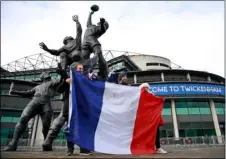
[187, 89]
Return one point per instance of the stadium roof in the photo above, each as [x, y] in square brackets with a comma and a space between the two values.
[45, 60]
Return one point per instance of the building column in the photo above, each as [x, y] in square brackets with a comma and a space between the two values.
[34, 130]
[39, 136]
[162, 76]
[188, 77]
[135, 79]
[215, 121]
[30, 126]
[174, 115]
[208, 79]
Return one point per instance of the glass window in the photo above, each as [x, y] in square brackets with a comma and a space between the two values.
[4, 92]
[193, 106]
[54, 75]
[166, 108]
[37, 76]
[209, 132]
[220, 111]
[7, 134]
[29, 77]
[200, 132]
[166, 111]
[180, 104]
[181, 107]
[189, 129]
[167, 104]
[181, 133]
[205, 111]
[182, 111]
[204, 104]
[163, 133]
[10, 77]
[6, 113]
[189, 132]
[6, 119]
[194, 110]
[170, 133]
[19, 77]
[15, 119]
[220, 107]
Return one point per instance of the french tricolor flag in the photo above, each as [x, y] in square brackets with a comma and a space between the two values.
[111, 118]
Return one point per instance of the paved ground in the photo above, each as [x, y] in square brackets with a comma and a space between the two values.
[185, 153]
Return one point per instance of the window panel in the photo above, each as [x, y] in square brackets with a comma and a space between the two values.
[203, 104]
[189, 132]
[163, 134]
[19, 77]
[181, 133]
[170, 133]
[167, 105]
[6, 113]
[205, 111]
[6, 119]
[182, 111]
[219, 110]
[192, 104]
[209, 132]
[181, 104]
[194, 107]
[166, 111]
[4, 92]
[200, 132]
[15, 119]
[193, 110]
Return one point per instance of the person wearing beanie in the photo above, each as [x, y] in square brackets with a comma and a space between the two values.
[122, 78]
[157, 141]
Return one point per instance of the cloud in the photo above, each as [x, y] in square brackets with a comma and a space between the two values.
[190, 34]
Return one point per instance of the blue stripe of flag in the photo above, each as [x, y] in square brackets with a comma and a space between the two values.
[87, 100]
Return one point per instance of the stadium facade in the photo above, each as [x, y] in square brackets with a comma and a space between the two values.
[194, 105]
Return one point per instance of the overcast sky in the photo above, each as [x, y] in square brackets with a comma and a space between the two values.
[190, 33]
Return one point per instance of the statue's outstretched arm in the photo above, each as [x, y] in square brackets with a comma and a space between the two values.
[89, 21]
[51, 51]
[23, 93]
[78, 29]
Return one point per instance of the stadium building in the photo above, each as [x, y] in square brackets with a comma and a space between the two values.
[194, 106]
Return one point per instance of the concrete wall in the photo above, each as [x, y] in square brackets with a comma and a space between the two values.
[142, 60]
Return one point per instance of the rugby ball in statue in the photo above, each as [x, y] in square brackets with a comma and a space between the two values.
[94, 8]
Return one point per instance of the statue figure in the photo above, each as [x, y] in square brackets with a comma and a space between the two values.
[39, 105]
[91, 44]
[58, 122]
[71, 51]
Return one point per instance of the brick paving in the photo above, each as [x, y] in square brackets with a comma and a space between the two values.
[218, 152]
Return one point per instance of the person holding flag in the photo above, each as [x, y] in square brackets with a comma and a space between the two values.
[157, 141]
[113, 119]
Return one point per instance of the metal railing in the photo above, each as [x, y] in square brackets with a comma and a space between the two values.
[192, 142]
[168, 143]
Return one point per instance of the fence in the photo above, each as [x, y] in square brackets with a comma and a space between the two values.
[168, 143]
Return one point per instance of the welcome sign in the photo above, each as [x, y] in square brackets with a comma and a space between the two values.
[187, 89]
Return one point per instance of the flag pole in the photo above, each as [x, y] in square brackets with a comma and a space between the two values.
[70, 102]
